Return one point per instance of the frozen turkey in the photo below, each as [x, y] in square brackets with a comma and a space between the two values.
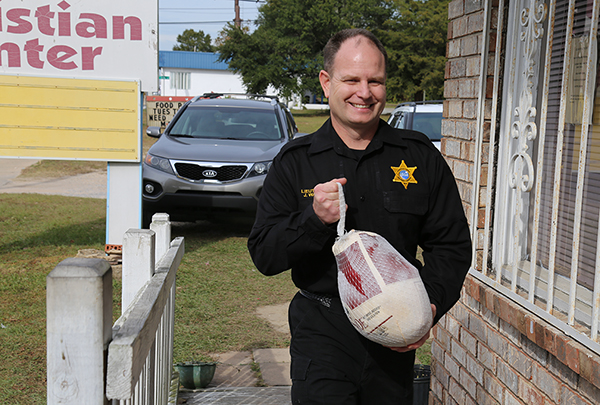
[382, 293]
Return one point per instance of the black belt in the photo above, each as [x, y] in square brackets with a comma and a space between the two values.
[324, 300]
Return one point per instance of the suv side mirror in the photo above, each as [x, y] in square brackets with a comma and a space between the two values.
[153, 132]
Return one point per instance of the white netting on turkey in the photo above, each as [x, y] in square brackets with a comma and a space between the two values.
[382, 293]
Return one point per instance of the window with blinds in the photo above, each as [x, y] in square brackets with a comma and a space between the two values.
[571, 148]
[181, 80]
[549, 161]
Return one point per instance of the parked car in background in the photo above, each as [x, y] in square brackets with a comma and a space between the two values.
[213, 156]
[422, 116]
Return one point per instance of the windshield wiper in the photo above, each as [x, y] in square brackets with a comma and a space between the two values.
[181, 136]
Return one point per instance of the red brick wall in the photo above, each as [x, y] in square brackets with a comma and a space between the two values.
[461, 91]
[461, 106]
[488, 349]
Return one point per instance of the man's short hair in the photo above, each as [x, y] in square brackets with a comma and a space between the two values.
[335, 42]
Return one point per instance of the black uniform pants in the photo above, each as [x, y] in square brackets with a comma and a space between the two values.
[332, 364]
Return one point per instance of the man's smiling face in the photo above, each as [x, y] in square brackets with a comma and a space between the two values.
[355, 86]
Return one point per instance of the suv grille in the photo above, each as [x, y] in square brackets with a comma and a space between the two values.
[196, 172]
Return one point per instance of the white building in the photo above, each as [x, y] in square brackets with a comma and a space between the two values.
[194, 73]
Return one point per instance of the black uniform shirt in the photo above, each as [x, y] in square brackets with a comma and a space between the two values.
[400, 187]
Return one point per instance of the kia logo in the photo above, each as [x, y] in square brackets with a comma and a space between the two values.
[209, 173]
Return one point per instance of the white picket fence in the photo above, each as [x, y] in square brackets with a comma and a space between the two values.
[89, 360]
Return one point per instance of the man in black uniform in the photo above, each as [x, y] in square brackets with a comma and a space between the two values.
[396, 184]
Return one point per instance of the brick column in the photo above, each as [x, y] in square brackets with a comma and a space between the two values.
[460, 127]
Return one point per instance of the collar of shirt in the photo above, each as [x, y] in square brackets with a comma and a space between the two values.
[326, 138]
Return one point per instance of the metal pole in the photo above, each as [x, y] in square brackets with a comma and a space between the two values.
[237, 20]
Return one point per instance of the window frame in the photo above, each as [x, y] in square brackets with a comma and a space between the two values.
[517, 214]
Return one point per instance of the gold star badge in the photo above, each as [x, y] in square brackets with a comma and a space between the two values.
[404, 174]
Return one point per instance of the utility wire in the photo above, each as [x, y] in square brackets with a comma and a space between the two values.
[194, 22]
[199, 8]
[206, 8]
[199, 22]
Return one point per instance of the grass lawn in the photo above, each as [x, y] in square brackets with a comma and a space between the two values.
[309, 121]
[36, 233]
[218, 287]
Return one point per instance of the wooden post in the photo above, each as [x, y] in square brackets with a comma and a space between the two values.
[161, 225]
[79, 329]
[138, 263]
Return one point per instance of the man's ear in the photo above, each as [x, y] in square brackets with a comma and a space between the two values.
[325, 81]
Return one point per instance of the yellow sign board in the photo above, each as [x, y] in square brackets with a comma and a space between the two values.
[55, 118]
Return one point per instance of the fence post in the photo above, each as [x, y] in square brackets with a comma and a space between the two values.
[79, 329]
[161, 225]
[138, 263]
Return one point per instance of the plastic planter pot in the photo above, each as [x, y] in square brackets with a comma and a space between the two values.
[196, 374]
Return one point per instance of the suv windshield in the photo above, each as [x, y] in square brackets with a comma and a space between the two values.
[227, 123]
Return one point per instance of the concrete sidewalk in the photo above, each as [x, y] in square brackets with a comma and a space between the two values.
[89, 185]
[239, 396]
[11, 168]
[236, 383]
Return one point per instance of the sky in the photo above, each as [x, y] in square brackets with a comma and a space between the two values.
[209, 16]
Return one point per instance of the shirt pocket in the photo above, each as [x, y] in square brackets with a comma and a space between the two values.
[402, 202]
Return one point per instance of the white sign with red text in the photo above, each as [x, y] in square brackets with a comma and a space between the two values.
[100, 39]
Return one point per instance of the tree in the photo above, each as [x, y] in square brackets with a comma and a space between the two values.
[285, 50]
[193, 41]
[416, 43]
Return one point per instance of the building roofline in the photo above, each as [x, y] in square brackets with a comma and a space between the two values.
[191, 60]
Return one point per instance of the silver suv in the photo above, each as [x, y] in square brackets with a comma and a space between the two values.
[214, 155]
[422, 116]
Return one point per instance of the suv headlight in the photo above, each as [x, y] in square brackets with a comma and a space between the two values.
[159, 163]
[260, 168]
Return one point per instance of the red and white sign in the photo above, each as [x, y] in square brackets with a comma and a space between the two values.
[162, 109]
[97, 39]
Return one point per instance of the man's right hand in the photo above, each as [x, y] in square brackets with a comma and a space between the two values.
[326, 201]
